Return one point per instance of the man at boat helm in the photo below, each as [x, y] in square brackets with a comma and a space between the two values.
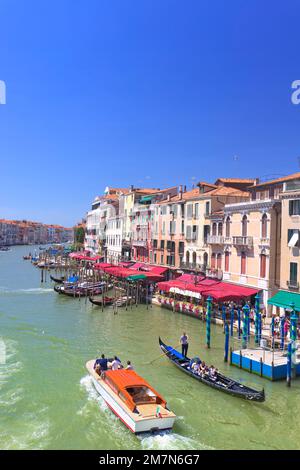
[184, 341]
[102, 363]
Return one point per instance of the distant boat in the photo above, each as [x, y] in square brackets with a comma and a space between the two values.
[5, 248]
[132, 399]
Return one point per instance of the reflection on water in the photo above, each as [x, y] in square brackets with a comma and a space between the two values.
[47, 400]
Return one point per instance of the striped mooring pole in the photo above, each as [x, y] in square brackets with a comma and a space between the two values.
[245, 325]
[224, 317]
[226, 349]
[293, 326]
[282, 321]
[256, 319]
[231, 321]
[272, 327]
[208, 321]
[239, 322]
[294, 322]
[289, 365]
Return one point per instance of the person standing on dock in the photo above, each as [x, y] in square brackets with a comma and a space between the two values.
[184, 341]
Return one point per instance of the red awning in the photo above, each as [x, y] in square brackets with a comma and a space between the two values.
[219, 291]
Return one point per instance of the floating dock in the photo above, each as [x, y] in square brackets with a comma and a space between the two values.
[271, 365]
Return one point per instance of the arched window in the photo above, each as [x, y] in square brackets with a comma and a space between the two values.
[264, 226]
[244, 226]
[243, 262]
[228, 227]
[263, 265]
[220, 229]
[205, 259]
[194, 257]
[219, 261]
[226, 260]
[214, 229]
[187, 256]
[213, 260]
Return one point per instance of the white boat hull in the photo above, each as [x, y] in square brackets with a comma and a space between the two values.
[144, 425]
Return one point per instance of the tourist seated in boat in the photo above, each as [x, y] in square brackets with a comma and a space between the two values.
[98, 369]
[102, 363]
[116, 364]
[196, 366]
[212, 373]
[129, 366]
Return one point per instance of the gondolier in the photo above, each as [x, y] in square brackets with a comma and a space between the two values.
[184, 341]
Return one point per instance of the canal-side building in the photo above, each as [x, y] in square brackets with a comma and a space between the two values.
[142, 220]
[251, 241]
[290, 233]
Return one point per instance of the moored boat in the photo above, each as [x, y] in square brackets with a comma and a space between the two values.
[102, 301]
[58, 280]
[219, 382]
[132, 399]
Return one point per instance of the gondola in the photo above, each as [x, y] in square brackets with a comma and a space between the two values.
[76, 291]
[58, 280]
[222, 383]
[105, 301]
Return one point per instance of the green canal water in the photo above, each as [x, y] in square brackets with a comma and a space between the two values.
[47, 400]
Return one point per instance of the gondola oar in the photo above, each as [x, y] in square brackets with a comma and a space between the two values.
[161, 355]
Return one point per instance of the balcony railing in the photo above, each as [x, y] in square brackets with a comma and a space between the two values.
[139, 243]
[293, 285]
[215, 239]
[265, 241]
[193, 266]
[242, 241]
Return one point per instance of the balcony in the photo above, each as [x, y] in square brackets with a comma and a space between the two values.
[242, 241]
[264, 241]
[193, 266]
[294, 285]
[142, 243]
[215, 239]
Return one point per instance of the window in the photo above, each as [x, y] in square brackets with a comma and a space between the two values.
[214, 229]
[187, 257]
[227, 228]
[293, 238]
[195, 232]
[243, 262]
[188, 232]
[227, 261]
[205, 259]
[293, 273]
[196, 210]
[294, 207]
[219, 261]
[162, 259]
[182, 226]
[189, 211]
[163, 210]
[244, 226]
[264, 228]
[162, 244]
[207, 208]
[213, 260]
[220, 229]
[163, 228]
[263, 265]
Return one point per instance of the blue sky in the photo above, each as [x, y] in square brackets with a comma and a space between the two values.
[151, 93]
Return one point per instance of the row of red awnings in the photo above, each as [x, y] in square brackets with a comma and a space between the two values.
[81, 256]
[153, 273]
[219, 291]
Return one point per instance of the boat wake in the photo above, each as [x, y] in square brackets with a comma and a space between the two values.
[8, 366]
[31, 291]
[168, 440]
[164, 440]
